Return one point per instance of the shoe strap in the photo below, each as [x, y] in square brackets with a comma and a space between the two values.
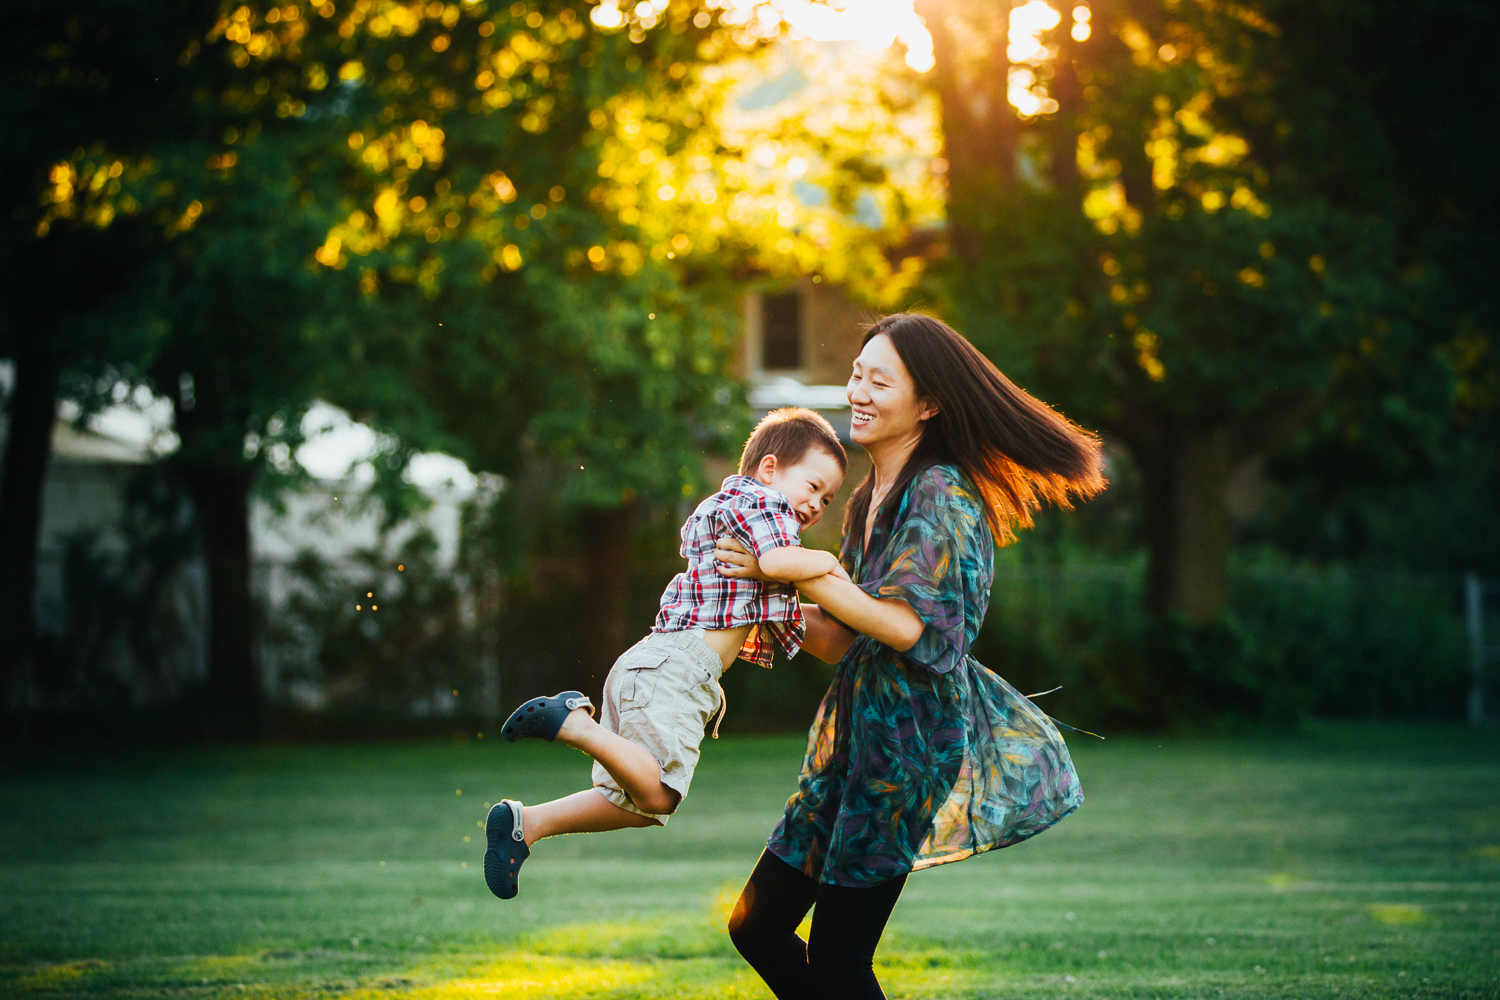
[515, 819]
[581, 701]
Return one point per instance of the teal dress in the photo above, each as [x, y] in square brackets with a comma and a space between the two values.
[924, 757]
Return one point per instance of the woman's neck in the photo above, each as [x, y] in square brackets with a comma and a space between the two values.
[888, 459]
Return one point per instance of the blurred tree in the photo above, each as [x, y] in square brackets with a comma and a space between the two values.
[254, 334]
[243, 323]
[1161, 224]
[220, 310]
[514, 233]
[1400, 466]
[524, 330]
[86, 89]
[561, 223]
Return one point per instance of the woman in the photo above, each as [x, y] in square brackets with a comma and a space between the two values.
[918, 755]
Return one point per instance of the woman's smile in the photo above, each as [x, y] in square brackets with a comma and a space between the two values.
[883, 398]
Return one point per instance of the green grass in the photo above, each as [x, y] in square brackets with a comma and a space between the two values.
[1345, 862]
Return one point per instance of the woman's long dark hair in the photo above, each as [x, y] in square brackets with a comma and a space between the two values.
[1017, 449]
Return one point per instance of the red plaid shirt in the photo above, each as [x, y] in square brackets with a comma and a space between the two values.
[761, 519]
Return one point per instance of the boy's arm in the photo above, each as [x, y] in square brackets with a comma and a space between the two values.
[791, 563]
[733, 559]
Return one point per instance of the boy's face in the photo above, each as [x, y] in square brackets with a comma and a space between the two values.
[809, 485]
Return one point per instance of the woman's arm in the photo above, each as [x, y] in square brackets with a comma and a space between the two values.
[887, 620]
[826, 639]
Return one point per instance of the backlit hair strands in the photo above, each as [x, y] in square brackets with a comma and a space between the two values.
[789, 433]
[1018, 450]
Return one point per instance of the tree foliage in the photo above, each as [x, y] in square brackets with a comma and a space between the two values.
[509, 232]
[1204, 232]
[85, 90]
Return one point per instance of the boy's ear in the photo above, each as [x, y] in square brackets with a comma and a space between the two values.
[766, 470]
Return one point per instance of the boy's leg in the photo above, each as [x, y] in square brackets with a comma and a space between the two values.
[632, 766]
[581, 812]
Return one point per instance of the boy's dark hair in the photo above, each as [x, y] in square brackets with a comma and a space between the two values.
[790, 433]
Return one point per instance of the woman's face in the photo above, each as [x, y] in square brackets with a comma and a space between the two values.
[883, 397]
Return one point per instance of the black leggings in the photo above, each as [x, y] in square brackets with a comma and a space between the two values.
[835, 963]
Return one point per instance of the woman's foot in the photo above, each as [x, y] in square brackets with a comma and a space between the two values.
[543, 717]
[507, 848]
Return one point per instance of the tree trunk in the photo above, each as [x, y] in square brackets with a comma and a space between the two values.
[1186, 475]
[33, 410]
[1062, 129]
[489, 606]
[604, 603]
[222, 497]
[980, 129]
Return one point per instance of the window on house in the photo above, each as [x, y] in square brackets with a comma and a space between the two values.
[781, 331]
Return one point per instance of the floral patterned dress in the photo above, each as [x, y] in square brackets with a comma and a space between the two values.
[924, 757]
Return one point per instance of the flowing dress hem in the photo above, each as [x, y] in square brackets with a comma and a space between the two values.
[963, 854]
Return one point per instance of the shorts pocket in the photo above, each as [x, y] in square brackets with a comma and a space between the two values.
[702, 705]
[640, 676]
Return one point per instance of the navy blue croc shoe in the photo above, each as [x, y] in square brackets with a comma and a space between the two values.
[507, 849]
[543, 717]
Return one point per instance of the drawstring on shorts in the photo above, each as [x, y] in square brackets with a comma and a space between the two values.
[723, 707]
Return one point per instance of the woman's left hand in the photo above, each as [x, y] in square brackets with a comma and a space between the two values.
[825, 638]
[734, 560]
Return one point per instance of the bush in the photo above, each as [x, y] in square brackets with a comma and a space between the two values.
[383, 635]
[1292, 643]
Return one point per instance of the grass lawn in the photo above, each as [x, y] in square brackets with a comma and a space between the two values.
[1344, 862]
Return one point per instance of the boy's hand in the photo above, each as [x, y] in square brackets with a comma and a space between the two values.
[839, 573]
[832, 562]
[734, 560]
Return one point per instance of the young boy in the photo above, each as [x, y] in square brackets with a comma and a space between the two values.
[661, 693]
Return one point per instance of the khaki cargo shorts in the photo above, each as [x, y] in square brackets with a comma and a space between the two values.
[660, 695]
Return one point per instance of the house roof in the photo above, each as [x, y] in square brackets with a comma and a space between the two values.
[772, 391]
[70, 444]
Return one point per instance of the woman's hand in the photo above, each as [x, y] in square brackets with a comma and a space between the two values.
[734, 560]
[825, 638]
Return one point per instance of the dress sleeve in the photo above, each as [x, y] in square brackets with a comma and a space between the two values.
[931, 563]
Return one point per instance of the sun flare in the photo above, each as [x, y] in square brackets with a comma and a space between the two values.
[875, 24]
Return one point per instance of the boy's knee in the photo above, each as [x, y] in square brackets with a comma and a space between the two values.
[662, 801]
